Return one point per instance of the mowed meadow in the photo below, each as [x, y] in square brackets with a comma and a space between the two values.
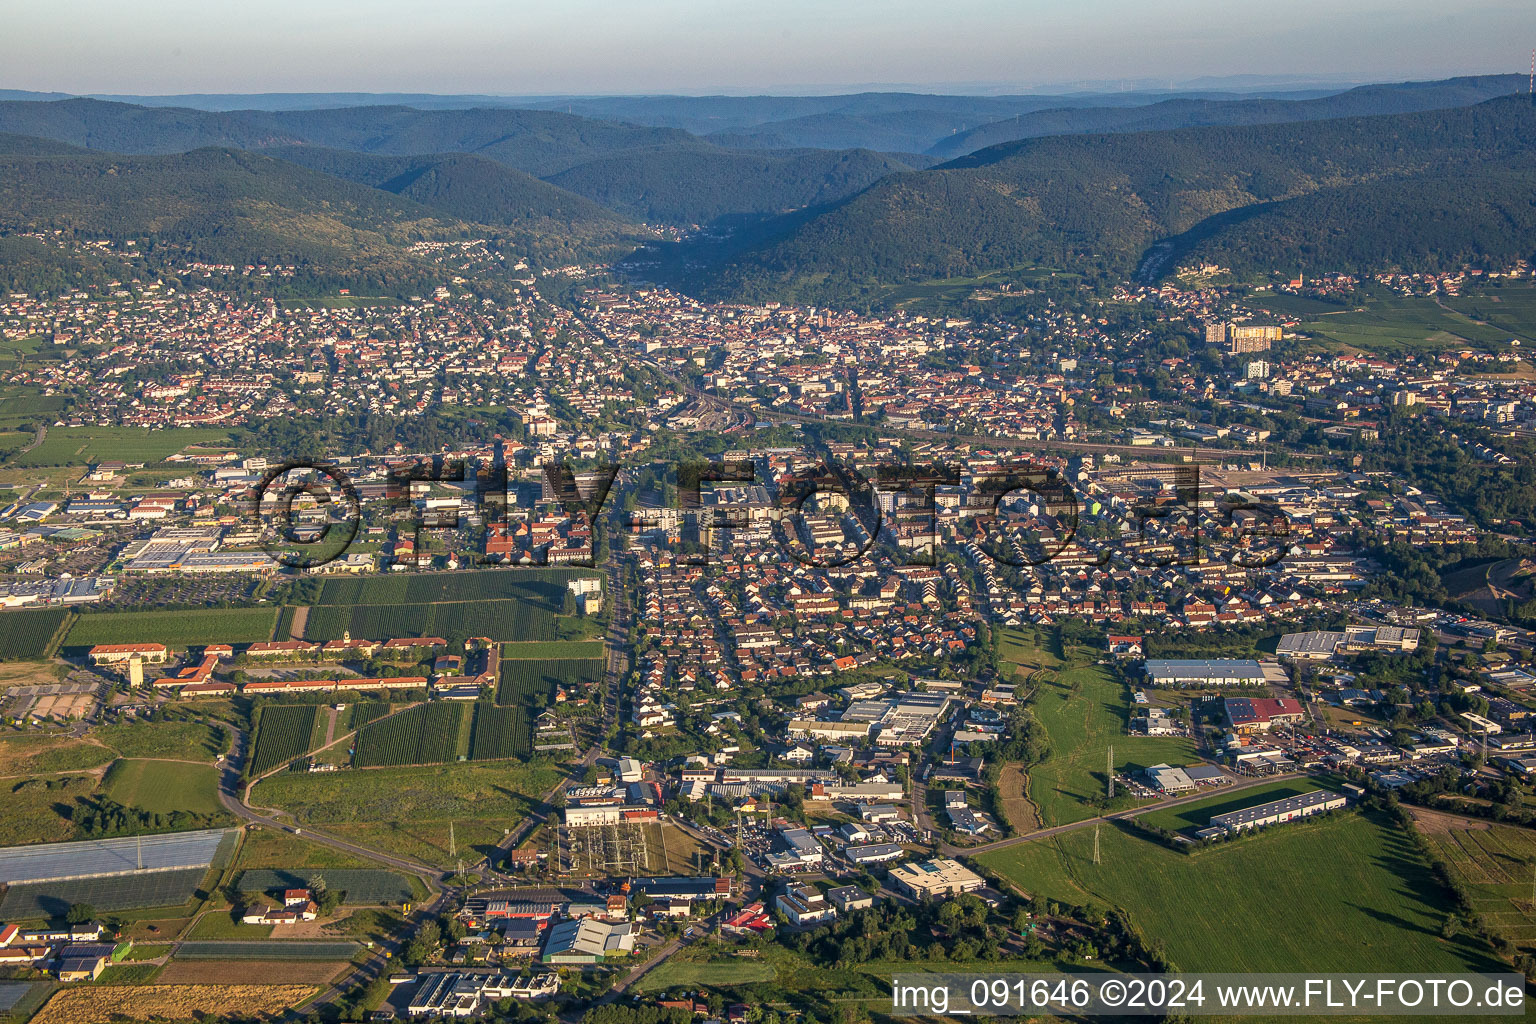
[1084, 709]
[1346, 893]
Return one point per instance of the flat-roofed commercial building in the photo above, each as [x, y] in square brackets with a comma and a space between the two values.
[941, 876]
[1292, 807]
[1204, 672]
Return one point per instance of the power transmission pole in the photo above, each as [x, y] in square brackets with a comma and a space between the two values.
[1095, 844]
[453, 849]
[1109, 770]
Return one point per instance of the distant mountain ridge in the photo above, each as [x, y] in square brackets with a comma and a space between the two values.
[651, 172]
[1098, 203]
[1184, 112]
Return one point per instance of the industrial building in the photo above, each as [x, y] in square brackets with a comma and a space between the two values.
[587, 941]
[1277, 811]
[1204, 672]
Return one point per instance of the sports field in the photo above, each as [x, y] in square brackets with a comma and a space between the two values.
[1084, 710]
[1348, 893]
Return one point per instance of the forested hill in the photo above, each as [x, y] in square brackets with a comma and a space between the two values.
[469, 187]
[655, 173]
[679, 186]
[1097, 203]
[1188, 112]
[538, 142]
[217, 205]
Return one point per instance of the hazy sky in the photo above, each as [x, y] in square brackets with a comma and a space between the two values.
[582, 46]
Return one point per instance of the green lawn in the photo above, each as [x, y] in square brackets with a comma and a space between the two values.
[1345, 894]
[184, 741]
[1084, 709]
[164, 787]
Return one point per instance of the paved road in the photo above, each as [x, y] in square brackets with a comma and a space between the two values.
[230, 797]
[1134, 812]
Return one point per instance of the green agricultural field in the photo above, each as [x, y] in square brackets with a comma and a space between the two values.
[174, 629]
[408, 810]
[1496, 864]
[29, 634]
[1400, 325]
[504, 604]
[283, 732]
[264, 848]
[500, 732]
[164, 787]
[553, 650]
[434, 733]
[1085, 709]
[1510, 310]
[360, 885]
[524, 681]
[1349, 893]
[78, 446]
[544, 587]
[178, 740]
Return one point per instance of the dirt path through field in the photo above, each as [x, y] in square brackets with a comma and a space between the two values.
[300, 620]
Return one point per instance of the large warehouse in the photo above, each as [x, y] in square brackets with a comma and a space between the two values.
[1214, 672]
[1292, 807]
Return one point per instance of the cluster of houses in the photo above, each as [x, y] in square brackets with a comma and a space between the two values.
[78, 952]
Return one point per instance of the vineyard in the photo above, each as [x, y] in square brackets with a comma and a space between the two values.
[174, 629]
[522, 681]
[544, 587]
[507, 618]
[30, 634]
[500, 732]
[363, 712]
[425, 734]
[283, 733]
